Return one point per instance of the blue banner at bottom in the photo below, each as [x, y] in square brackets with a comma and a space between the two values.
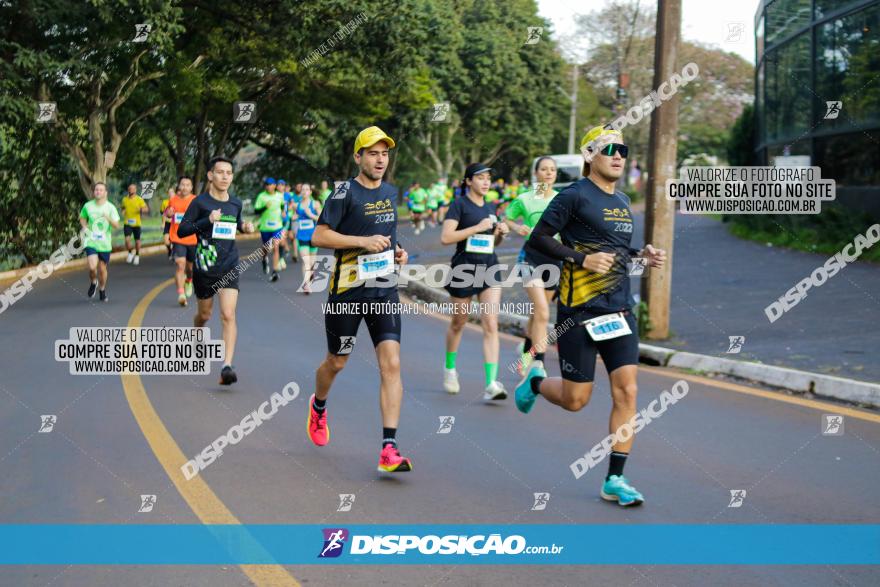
[440, 544]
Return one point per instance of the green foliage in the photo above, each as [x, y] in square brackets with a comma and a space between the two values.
[825, 233]
[643, 318]
[741, 144]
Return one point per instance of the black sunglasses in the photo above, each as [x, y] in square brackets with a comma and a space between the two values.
[612, 148]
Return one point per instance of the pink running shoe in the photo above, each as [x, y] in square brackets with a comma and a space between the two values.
[318, 429]
[390, 460]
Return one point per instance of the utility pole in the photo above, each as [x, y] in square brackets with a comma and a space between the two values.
[662, 151]
[572, 121]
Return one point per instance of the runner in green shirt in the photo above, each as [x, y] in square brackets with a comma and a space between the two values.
[418, 199]
[325, 192]
[270, 207]
[97, 217]
[528, 207]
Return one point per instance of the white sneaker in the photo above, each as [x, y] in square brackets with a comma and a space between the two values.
[137, 259]
[450, 381]
[495, 391]
[130, 257]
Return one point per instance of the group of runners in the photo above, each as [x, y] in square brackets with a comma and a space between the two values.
[585, 229]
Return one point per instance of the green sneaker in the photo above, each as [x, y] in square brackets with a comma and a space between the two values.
[188, 288]
[523, 396]
[617, 488]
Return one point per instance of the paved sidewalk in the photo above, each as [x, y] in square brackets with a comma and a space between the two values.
[721, 285]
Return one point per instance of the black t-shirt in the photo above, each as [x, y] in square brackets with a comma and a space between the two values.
[215, 255]
[354, 210]
[592, 221]
[469, 214]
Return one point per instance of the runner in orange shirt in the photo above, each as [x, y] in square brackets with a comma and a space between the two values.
[183, 249]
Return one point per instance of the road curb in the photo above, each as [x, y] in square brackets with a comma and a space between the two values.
[794, 380]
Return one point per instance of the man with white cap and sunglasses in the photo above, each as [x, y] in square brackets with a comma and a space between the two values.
[595, 222]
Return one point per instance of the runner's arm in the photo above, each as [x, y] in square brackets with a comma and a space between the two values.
[191, 224]
[328, 238]
[542, 241]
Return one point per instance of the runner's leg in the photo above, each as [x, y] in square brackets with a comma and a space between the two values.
[228, 302]
[460, 309]
[490, 298]
[391, 385]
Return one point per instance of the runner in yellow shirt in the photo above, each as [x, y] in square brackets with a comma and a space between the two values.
[132, 207]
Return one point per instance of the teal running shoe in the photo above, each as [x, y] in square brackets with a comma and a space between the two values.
[617, 488]
[523, 395]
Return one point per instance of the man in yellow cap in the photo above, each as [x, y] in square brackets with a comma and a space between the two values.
[359, 221]
[595, 307]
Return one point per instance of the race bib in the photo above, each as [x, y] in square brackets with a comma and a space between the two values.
[224, 230]
[480, 243]
[375, 265]
[273, 224]
[607, 327]
[306, 224]
[131, 221]
[178, 217]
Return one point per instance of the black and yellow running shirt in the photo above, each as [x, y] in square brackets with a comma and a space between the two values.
[589, 221]
[354, 210]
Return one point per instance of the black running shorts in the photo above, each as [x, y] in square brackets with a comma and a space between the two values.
[342, 320]
[577, 351]
[189, 251]
[207, 285]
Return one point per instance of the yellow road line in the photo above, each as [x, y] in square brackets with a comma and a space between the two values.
[196, 492]
[826, 407]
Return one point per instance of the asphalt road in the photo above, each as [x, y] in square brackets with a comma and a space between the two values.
[95, 464]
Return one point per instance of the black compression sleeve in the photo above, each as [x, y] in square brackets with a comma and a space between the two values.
[542, 240]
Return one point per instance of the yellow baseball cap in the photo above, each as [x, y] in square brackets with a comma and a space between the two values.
[369, 137]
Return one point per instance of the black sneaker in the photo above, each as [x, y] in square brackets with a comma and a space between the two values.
[93, 286]
[227, 375]
[103, 295]
[274, 277]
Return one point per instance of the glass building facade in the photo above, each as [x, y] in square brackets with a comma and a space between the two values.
[810, 53]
